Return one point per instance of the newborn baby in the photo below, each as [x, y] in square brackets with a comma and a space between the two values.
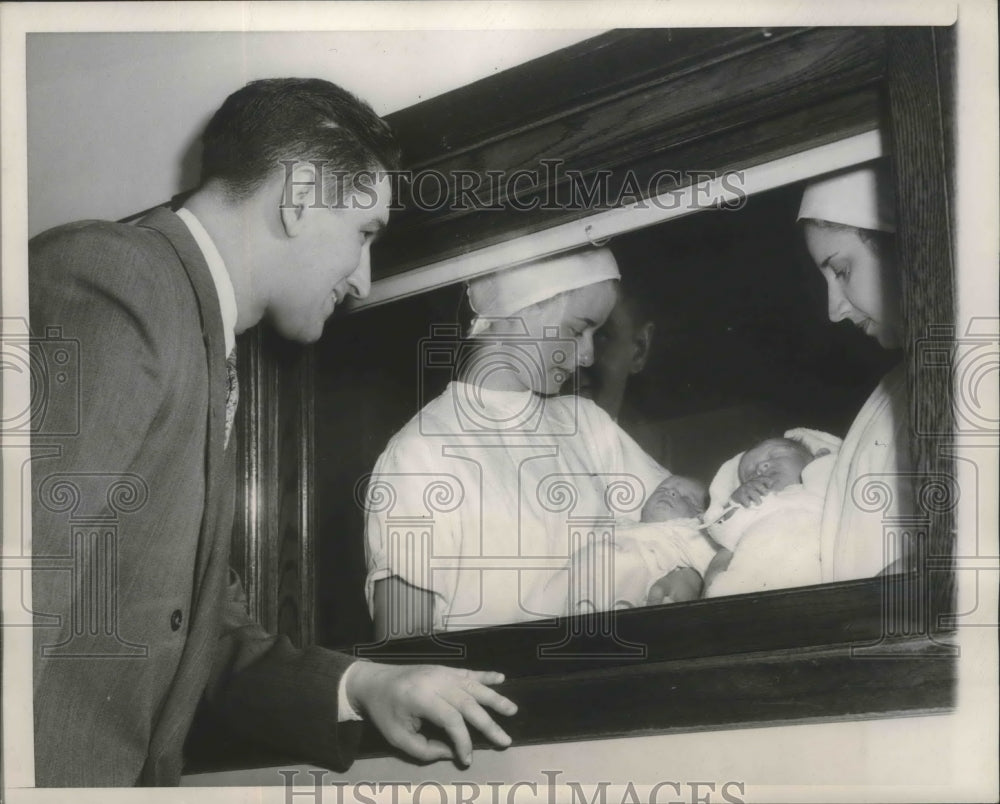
[677, 497]
[773, 465]
[769, 524]
[657, 560]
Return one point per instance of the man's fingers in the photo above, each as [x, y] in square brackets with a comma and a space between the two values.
[418, 746]
[474, 683]
[469, 700]
[491, 698]
[445, 715]
[479, 717]
[464, 703]
[484, 676]
[397, 700]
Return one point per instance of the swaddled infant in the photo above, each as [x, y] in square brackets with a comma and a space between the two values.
[769, 524]
[659, 559]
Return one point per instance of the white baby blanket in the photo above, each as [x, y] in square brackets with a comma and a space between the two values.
[775, 544]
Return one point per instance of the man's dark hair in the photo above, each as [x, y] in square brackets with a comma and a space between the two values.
[635, 294]
[293, 120]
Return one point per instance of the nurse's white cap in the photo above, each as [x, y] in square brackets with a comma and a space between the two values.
[506, 292]
[860, 197]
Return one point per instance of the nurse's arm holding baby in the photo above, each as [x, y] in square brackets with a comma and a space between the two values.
[512, 456]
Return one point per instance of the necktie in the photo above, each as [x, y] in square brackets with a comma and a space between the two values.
[232, 392]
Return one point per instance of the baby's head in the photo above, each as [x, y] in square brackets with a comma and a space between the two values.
[779, 459]
[677, 497]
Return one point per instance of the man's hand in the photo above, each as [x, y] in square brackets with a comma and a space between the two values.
[753, 491]
[396, 699]
[676, 586]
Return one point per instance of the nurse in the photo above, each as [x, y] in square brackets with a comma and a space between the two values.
[849, 225]
[472, 505]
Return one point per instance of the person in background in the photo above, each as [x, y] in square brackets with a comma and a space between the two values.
[848, 220]
[621, 349]
[293, 192]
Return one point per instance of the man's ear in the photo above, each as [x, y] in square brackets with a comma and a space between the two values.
[643, 342]
[300, 191]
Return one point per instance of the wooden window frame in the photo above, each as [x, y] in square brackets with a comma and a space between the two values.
[872, 648]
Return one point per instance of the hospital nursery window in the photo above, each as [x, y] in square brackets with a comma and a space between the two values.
[742, 349]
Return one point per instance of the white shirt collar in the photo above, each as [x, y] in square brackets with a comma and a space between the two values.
[220, 276]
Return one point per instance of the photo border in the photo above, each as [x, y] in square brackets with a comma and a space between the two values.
[976, 216]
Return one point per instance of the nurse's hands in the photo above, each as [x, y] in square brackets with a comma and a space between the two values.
[718, 565]
[676, 586]
[397, 699]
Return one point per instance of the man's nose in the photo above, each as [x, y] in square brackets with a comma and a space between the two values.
[360, 282]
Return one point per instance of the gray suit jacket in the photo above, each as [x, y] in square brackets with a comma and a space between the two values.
[137, 614]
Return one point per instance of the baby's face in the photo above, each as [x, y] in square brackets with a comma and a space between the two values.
[779, 459]
[676, 497]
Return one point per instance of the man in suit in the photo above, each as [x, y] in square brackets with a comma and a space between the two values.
[138, 619]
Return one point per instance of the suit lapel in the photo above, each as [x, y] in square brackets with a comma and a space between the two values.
[179, 236]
